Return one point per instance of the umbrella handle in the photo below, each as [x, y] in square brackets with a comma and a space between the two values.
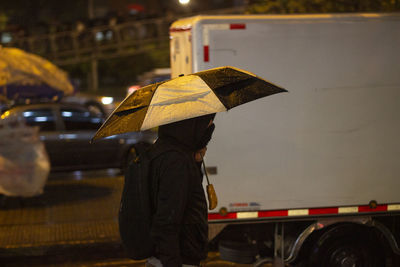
[212, 197]
[205, 171]
[211, 194]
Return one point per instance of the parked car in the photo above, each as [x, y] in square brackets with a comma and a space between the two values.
[66, 130]
[150, 77]
[101, 104]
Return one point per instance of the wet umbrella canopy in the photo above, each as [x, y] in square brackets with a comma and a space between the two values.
[25, 75]
[201, 93]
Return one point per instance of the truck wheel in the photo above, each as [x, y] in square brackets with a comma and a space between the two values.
[347, 246]
[238, 252]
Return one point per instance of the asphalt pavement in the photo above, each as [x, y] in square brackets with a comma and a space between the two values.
[73, 223]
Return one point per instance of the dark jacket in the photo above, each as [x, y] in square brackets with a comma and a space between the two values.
[179, 227]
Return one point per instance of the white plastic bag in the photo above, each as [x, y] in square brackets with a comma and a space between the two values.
[24, 164]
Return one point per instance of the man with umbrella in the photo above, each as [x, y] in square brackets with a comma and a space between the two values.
[184, 108]
[179, 227]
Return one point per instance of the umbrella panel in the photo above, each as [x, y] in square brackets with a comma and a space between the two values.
[138, 99]
[129, 115]
[118, 124]
[179, 99]
[234, 87]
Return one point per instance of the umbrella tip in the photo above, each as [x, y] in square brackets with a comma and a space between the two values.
[94, 139]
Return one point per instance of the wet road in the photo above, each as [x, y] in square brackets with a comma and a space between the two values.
[73, 223]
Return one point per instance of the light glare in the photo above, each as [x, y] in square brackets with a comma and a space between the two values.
[107, 100]
[41, 119]
[28, 114]
[184, 2]
[66, 114]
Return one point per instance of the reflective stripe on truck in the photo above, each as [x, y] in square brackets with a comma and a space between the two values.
[242, 215]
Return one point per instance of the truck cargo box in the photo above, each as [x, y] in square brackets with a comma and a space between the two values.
[330, 145]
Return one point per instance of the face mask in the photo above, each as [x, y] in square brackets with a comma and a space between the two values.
[205, 139]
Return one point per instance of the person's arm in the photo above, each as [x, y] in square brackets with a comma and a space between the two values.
[171, 202]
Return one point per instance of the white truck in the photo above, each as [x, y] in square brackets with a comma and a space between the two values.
[310, 177]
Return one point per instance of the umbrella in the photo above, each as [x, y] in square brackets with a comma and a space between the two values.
[185, 97]
[25, 75]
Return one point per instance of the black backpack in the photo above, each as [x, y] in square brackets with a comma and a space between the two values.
[135, 213]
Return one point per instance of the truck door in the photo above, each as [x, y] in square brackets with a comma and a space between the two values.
[181, 51]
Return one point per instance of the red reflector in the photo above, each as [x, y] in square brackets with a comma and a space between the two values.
[272, 213]
[367, 208]
[237, 26]
[323, 211]
[217, 216]
[206, 54]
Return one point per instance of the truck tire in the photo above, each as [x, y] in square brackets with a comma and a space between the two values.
[347, 246]
[238, 252]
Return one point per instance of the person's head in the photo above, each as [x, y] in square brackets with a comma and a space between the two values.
[194, 134]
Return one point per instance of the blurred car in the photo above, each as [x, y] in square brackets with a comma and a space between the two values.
[100, 104]
[150, 77]
[66, 130]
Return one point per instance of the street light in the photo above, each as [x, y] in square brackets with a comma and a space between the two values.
[184, 2]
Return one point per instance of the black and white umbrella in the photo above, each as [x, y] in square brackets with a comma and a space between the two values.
[185, 97]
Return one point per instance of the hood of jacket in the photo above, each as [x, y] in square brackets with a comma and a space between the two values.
[191, 134]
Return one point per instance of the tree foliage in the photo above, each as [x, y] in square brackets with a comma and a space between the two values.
[117, 74]
[322, 6]
[3, 21]
[29, 13]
